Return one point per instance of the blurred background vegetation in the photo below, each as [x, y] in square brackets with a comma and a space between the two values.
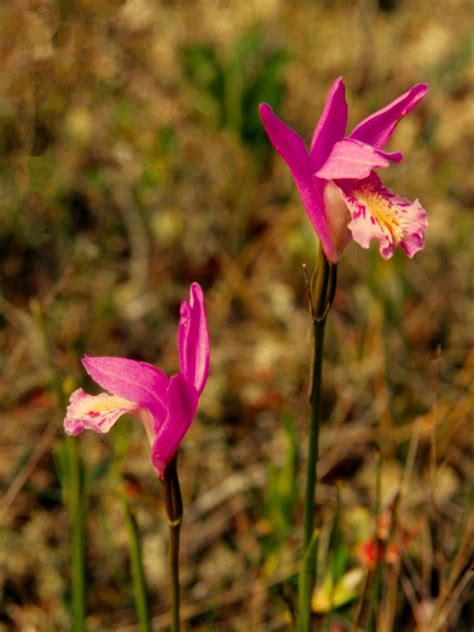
[132, 163]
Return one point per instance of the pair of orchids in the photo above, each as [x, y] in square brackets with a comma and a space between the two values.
[344, 199]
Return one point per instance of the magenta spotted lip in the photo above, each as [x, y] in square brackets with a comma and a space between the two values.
[166, 406]
[340, 191]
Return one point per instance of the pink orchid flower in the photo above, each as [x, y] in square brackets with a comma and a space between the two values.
[340, 191]
[166, 406]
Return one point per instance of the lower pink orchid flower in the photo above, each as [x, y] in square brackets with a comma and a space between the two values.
[340, 191]
[166, 406]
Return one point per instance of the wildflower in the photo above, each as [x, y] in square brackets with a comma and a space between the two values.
[372, 552]
[166, 406]
[340, 191]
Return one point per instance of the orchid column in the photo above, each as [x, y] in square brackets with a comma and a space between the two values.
[345, 200]
[166, 406]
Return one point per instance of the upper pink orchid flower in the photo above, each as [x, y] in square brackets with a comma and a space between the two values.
[166, 406]
[340, 191]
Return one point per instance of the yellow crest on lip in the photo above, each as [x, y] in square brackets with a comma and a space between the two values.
[95, 412]
[382, 211]
[102, 404]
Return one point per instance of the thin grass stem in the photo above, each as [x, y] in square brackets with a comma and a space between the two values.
[136, 568]
[74, 486]
[77, 518]
[379, 548]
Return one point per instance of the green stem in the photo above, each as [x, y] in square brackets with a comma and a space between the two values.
[321, 296]
[313, 443]
[73, 484]
[174, 510]
[76, 506]
[304, 581]
[136, 567]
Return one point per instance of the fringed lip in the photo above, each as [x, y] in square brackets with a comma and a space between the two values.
[378, 213]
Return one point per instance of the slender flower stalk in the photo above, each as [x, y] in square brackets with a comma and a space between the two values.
[304, 582]
[174, 510]
[321, 297]
[345, 201]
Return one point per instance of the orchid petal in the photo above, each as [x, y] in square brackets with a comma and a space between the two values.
[292, 149]
[377, 129]
[182, 406]
[331, 126]
[338, 216]
[193, 339]
[95, 412]
[351, 159]
[379, 214]
[393, 156]
[136, 381]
